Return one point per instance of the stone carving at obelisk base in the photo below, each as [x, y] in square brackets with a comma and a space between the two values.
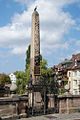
[34, 94]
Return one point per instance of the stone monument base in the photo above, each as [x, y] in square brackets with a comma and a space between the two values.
[35, 99]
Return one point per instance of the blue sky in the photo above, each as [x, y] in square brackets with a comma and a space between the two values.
[59, 31]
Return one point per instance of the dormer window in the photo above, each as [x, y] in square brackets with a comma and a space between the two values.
[75, 62]
[78, 62]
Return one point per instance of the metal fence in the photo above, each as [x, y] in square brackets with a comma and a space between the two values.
[48, 103]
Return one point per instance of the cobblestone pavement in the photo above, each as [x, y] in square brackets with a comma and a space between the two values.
[75, 116]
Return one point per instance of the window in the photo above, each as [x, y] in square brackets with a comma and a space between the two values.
[69, 74]
[75, 82]
[79, 73]
[76, 92]
[75, 73]
[69, 84]
[78, 63]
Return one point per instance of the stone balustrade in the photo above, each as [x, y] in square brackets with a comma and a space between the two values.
[68, 103]
[13, 107]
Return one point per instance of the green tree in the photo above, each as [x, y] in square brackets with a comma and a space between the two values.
[27, 70]
[43, 65]
[46, 73]
[44, 69]
[4, 79]
[28, 57]
[21, 81]
[47, 78]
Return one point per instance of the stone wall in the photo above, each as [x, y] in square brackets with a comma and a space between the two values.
[13, 107]
[16, 107]
[51, 101]
[68, 103]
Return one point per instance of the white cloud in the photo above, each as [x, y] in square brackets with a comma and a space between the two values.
[25, 2]
[19, 49]
[1, 54]
[54, 23]
[78, 27]
[57, 3]
[78, 42]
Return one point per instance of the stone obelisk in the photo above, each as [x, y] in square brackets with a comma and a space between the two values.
[35, 48]
[34, 94]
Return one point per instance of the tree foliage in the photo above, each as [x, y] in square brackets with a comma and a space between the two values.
[23, 77]
[4, 79]
[28, 57]
[43, 65]
[27, 70]
[21, 81]
[45, 71]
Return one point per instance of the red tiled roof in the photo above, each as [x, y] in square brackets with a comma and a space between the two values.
[75, 67]
[59, 65]
[9, 73]
[55, 66]
[76, 56]
[72, 66]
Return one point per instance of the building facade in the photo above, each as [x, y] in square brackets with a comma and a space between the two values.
[12, 77]
[73, 75]
[68, 72]
[74, 81]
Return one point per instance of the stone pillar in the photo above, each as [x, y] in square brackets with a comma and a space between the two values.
[34, 93]
[35, 49]
[67, 103]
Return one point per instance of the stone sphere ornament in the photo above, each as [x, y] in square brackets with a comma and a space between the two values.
[66, 87]
[13, 87]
